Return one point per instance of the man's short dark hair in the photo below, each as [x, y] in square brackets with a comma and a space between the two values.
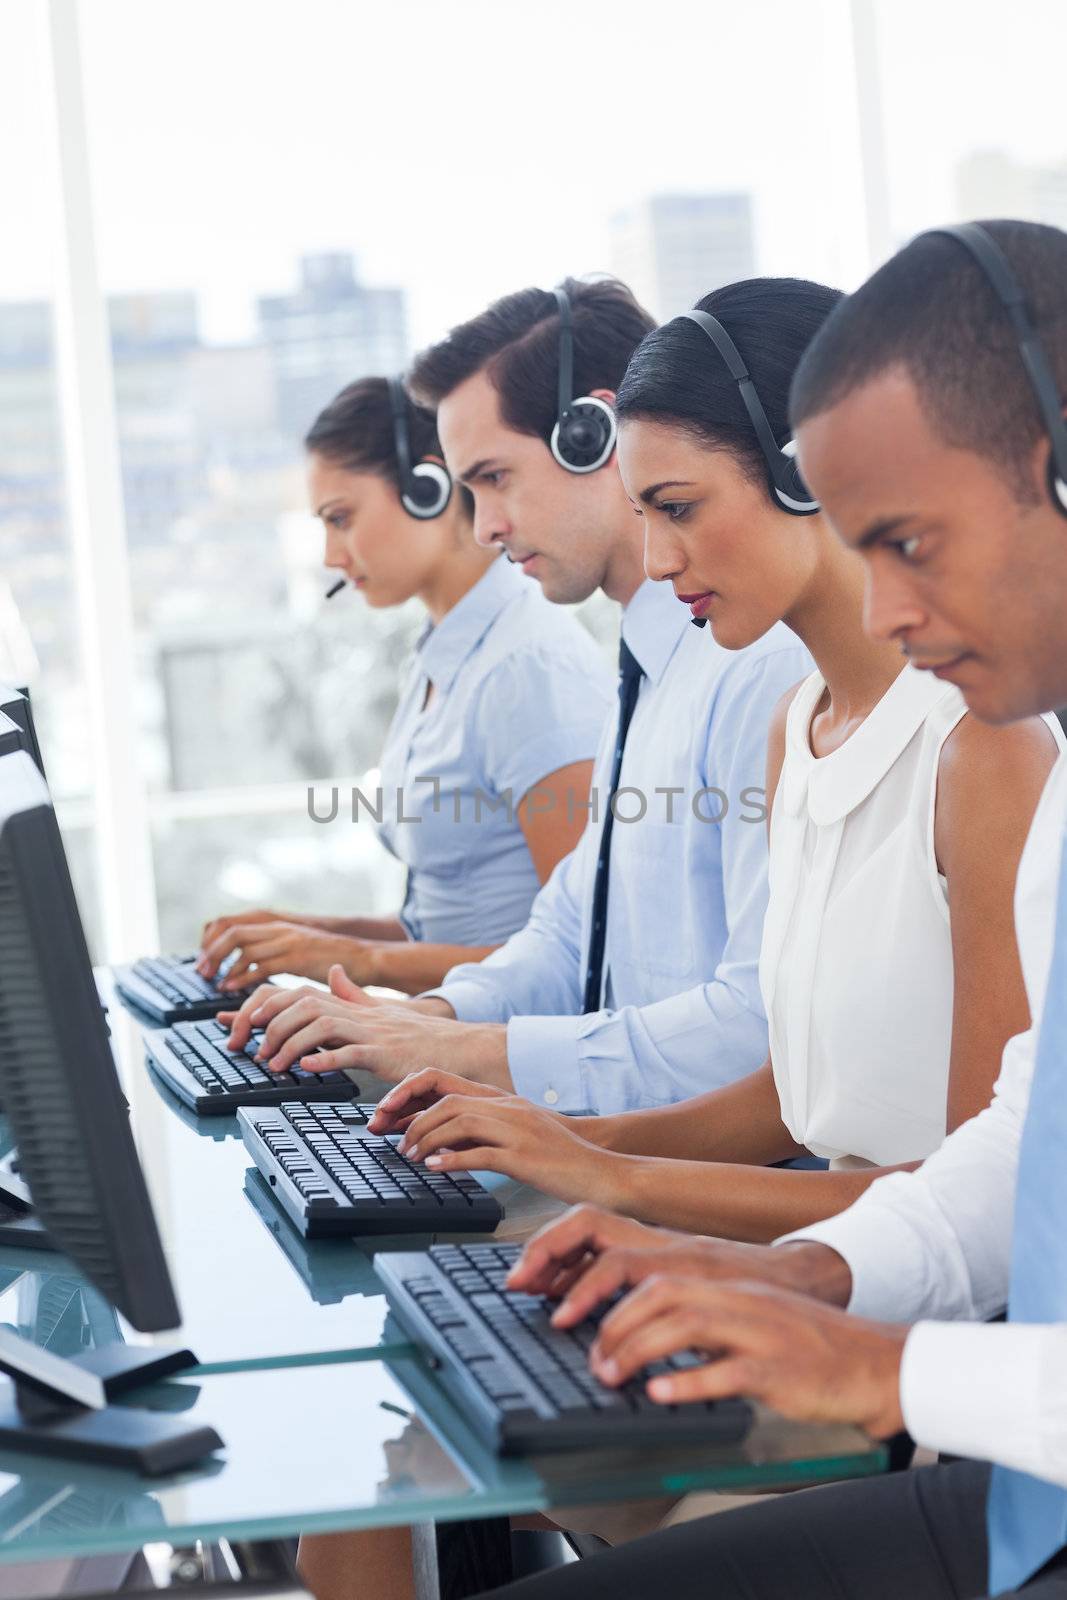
[932, 310]
[516, 342]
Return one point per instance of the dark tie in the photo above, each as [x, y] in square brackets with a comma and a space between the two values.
[630, 675]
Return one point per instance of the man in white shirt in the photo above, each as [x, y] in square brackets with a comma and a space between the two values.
[933, 436]
[635, 982]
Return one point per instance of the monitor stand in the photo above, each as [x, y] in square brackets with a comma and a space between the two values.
[18, 1220]
[62, 1407]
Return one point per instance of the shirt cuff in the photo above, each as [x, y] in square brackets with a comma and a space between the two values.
[543, 1061]
[469, 1000]
[974, 1389]
[882, 1286]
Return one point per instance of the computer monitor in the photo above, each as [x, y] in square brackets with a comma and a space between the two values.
[15, 705]
[11, 735]
[60, 1091]
[16, 1219]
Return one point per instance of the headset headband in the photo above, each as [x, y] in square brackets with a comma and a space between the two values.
[1001, 277]
[583, 436]
[566, 354]
[400, 433]
[425, 487]
[732, 357]
[787, 484]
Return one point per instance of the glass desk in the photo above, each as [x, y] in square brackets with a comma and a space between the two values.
[251, 1290]
[328, 1447]
[329, 1416]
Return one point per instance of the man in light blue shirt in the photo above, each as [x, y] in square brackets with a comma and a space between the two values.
[680, 1009]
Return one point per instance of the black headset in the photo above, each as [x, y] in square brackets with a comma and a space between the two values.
[426, 488]
[985, 250]
[788, 489]
[584, 435]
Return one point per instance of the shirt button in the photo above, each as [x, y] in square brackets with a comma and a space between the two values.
[551, 1097]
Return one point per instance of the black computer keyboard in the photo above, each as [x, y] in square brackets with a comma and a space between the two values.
[333, 1177]
[212, 1081]
[170, 989]
[522, 1384]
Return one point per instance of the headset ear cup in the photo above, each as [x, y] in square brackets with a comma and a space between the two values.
[583, 440]
[429, 491]
[1057, 487]
[788, 486]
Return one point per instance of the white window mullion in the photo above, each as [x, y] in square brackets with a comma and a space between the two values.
[863, 17]
[95, 507]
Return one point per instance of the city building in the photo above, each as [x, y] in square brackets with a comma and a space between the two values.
[212, 477]
[330, 331]
[672, 249]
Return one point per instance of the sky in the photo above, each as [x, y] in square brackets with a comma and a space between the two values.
[463, 148]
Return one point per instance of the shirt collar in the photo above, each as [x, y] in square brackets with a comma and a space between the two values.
[443, 649]
[653, 626]
[834, 785]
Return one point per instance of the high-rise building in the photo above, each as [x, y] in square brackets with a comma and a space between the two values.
[991, 183]
[672, 249]
[153, 338]
[332, 330]
[30, 460]
[210, 458]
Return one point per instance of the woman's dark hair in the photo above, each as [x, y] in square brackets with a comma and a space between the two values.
[355, 431]
[676, 375]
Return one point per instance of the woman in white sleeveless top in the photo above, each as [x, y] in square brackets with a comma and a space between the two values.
[889, 970]
[857, 951]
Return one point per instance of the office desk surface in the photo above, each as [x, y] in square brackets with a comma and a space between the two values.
[250, 1288]
[326, 1447]
[320, 1431]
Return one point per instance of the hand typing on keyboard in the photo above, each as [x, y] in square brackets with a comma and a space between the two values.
[522, 1383]
[260, 945]
[808, 1360]
[192, 1059]
[506, 1134]
[333, 1176]
[349, 1028]
[588, 1257]
[420, 1090]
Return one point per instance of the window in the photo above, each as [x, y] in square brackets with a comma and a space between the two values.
[40, 646]
[286, 196]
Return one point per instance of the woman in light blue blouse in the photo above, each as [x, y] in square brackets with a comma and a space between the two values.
[487, 764]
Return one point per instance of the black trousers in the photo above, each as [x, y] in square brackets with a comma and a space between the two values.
[906, 1536]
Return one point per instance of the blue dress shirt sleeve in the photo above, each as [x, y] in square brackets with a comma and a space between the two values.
[539, 967]
[530, 718]
[711, 1035]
